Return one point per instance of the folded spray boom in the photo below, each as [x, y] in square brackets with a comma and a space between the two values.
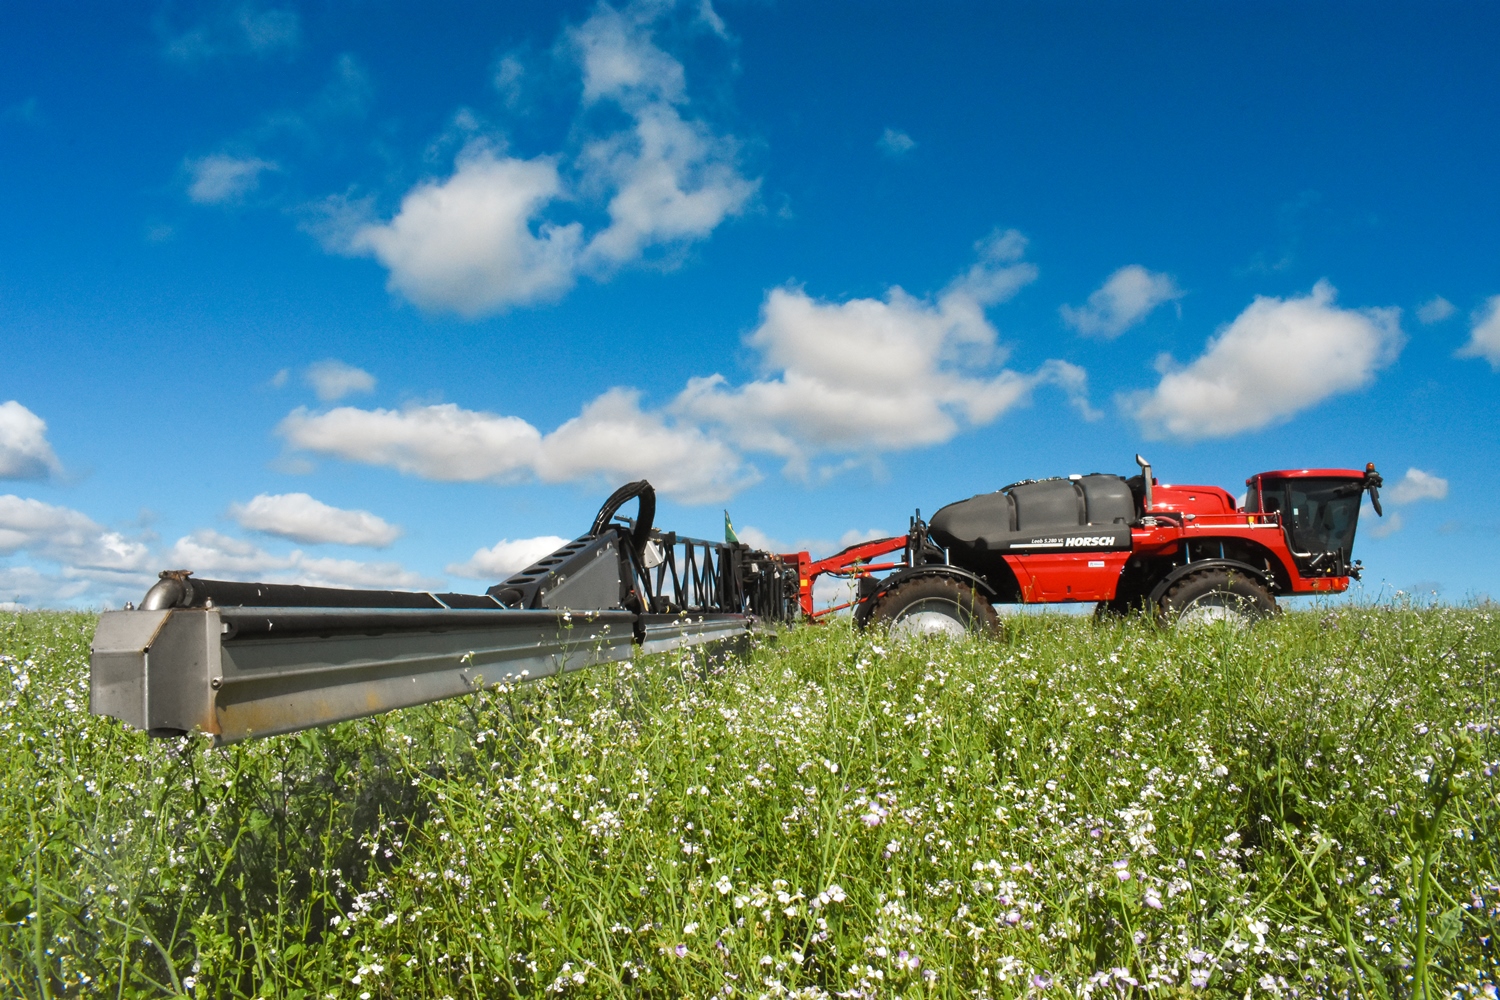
[237, 660]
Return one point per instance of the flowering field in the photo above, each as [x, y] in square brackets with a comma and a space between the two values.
[1305, 809]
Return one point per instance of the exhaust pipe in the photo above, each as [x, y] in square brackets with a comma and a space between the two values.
[1146, 479]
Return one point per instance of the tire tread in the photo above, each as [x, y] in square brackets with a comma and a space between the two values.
[1167, 609]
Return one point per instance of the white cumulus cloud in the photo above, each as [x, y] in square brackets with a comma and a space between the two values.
[816, 547]
[441, 441]
[1434, 310]
[24, 450]
[1417, 485]
[674, 181]
[1484, 335]
[869, 375]
[757, 539]
[1384, 527]
[69, 558]
[506, 558]
[63, 535]
[856, 378]
[221, 178]
[332, 380]
[235, 29]
[611, 439]
[619, 60]
[1278, 357]
[480, 240]
[62, 556]
[303, 519]
[215, 556]
[1126, 297]
[614, 439]
[469, 244]
[30, 588]
[895, 142]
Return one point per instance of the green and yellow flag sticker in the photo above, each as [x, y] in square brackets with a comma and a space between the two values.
[729, 536]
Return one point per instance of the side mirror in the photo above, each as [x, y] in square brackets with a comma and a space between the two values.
[1373, 482]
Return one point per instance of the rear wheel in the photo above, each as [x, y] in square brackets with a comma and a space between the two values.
[1216, 595]
[934, 606]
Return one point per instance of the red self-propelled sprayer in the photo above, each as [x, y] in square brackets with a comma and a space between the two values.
[235, 660]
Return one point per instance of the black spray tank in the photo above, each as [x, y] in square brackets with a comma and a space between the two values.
[1079, 513]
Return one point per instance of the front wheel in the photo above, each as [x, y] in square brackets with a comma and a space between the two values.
[1216, 595]
[934, 606]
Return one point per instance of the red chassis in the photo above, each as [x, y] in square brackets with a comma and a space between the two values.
[1293, 536]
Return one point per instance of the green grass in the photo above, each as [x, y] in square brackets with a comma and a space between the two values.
[1308, 808]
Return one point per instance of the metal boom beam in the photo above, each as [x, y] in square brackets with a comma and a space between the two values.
[238, 660]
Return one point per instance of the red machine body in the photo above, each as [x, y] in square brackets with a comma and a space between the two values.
[1293, 536]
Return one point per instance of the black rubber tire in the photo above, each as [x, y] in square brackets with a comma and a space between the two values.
[962, 603]
[1215, 594]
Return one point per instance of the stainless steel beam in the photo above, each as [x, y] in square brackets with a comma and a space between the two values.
[235, 673]
[667, 632]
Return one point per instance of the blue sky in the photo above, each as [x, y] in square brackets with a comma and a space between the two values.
[364, 294]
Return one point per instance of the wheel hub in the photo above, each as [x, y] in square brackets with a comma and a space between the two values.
[1214, 609]
[925, 620]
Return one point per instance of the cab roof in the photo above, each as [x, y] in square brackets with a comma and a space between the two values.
[1309, 474]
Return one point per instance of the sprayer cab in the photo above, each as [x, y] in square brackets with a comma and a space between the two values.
[1318, 510]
